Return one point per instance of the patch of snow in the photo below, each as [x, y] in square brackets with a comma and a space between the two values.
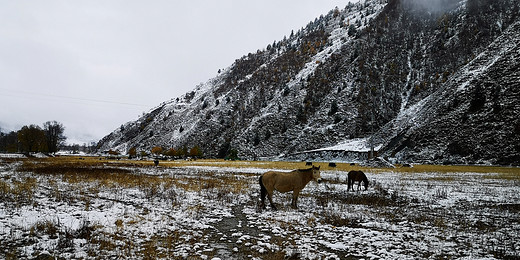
[328, 224]
[12, 155]
[352, 145]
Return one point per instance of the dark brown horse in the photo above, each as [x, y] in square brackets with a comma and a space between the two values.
[358, 176]
[293, 181]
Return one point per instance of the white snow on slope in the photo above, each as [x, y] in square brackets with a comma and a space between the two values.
[353, 145]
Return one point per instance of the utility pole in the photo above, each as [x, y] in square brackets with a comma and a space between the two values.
[370, 141]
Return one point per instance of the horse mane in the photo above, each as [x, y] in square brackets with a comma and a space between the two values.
[305, 170]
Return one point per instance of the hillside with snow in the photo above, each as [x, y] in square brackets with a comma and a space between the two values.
[423, 81]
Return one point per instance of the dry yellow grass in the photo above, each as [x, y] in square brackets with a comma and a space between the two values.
[506, 171]
[99, 162]
[461, 168]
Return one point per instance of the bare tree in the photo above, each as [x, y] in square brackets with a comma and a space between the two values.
[54, 135]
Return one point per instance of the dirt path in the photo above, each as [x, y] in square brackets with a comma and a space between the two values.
[238, 238]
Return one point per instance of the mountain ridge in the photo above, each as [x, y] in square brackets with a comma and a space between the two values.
[349, 74]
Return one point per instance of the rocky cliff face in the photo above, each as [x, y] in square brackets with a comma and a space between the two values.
[433, 81]
[472, 118]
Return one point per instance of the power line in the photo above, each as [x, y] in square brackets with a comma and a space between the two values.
[27, 94]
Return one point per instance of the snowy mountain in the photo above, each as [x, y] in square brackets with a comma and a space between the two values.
[423, 81]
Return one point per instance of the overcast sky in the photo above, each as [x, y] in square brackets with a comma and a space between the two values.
[95, 65]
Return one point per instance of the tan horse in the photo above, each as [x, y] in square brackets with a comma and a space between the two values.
[358, 176]
[293, 181]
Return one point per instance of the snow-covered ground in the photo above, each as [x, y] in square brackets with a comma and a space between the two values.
[211, 212]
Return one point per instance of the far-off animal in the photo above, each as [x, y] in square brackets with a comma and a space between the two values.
[358, 176]
[293, 181]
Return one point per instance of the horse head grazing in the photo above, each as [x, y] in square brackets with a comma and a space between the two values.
[356, 176]
[316, 174]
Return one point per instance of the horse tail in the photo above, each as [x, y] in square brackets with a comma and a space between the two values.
[263, 190]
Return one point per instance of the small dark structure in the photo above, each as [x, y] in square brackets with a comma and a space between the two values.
[308, 163]
[332, 164]
[156, 162]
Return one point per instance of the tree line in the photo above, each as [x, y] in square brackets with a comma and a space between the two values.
[33, 139]
[157, 151]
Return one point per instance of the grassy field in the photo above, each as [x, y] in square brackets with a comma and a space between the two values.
[94, 208]
[418, 168]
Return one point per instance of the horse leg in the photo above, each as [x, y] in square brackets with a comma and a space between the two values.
[348, 184]
[270, 197]
[262, 196]
[294, 202]
[263, 192]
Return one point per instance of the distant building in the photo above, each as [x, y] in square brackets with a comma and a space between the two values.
[354, 150]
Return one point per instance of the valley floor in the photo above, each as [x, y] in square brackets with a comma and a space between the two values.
[93, 209]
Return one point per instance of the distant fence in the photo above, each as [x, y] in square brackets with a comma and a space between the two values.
[12, 155]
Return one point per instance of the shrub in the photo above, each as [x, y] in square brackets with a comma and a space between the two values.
[46, 227]
[157, 150]
[23, 191]
[5, 189]
[132, 153]
[111, 152]
[336, 219]
[195, 152]
[171, 152]
[333, 108]
[478, 99]
[232, 155]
